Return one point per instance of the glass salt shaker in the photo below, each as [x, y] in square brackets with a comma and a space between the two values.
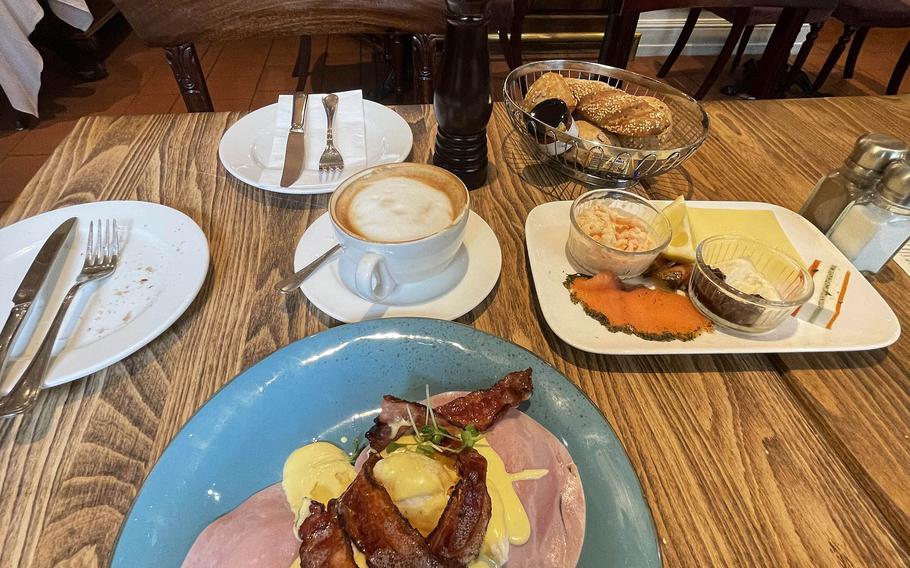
[857, 176]
[872, 229]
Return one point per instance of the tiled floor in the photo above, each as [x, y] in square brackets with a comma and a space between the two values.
[249, 74]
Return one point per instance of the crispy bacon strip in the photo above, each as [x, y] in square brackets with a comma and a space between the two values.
[481, 408]
[324, 543]
[374, 523]
[394, 410]
[459, 534]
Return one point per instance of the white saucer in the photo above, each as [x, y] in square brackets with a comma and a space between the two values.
[161, 248]
[449, 295]
[247, 144]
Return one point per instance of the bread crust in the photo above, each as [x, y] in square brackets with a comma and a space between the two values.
[549, 86]
[591, 136]
[584, 87]
[624, 114]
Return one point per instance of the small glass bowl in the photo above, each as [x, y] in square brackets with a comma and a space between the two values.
[592, 256]
[726, 306]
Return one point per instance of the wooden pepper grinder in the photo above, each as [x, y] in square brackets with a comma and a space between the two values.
[462, 100]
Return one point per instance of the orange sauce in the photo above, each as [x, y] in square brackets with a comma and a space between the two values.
[650, 314]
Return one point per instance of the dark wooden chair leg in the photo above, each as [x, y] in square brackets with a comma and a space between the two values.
[424, 58]
[804, 50]
[506, 45]
[768, 79]
[741, 48]
[302, 65]
[739, 25]
[188, 72]
[835, 54]
[684, 34]
[899, 70]
[397, 54]
[520, 10]
[855, 46]
[619, 35]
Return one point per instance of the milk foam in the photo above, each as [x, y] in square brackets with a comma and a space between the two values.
[396, 208]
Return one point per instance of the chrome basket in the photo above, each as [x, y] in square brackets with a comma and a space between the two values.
[603, 164]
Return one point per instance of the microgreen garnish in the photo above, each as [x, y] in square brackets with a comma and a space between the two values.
[432, 438]
[358, 447]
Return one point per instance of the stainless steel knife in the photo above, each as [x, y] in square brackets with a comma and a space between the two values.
[32, 282]
[295, 151]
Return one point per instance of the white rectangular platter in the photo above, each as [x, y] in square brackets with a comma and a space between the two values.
[866, 322]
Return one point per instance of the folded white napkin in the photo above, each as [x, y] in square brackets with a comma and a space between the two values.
[350, 138]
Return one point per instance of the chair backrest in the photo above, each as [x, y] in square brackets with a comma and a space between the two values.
[166, 23]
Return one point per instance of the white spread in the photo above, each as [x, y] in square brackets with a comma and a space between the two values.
[741, 274]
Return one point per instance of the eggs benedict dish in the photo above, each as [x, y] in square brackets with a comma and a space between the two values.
[464, 480]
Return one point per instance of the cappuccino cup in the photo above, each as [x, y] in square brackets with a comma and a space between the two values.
[398, 224]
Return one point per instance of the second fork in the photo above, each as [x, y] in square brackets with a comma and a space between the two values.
[331, 160]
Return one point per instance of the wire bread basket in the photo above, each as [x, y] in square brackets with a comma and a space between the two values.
[598, 163]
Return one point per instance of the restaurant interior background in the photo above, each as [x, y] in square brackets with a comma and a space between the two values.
[245, 75]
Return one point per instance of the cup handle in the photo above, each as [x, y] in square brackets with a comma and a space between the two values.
[372, 278]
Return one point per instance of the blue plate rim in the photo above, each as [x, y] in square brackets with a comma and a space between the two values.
[405, 320]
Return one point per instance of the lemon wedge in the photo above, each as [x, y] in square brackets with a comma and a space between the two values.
[681, 248]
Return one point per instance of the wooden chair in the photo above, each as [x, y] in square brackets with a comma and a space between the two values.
[858, 17]
[176, 25]
[754, 17]
[768, 79]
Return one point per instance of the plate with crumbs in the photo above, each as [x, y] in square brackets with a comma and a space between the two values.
[114, 317]
[866, 320]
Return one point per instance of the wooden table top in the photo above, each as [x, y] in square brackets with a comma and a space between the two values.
[747, 460]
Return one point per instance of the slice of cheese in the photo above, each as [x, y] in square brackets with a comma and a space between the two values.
[824, 306]
[760, 225]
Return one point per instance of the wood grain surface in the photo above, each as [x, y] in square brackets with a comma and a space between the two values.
[748, 460]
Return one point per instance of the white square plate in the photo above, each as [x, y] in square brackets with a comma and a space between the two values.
[866, 322]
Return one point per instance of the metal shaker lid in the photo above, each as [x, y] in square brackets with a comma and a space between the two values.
[874, 151]
[895, 183]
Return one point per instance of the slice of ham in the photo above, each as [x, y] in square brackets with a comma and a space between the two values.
[555, 503]
[480, 408]
[258, 533]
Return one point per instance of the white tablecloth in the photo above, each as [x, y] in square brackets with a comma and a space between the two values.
[20, 62]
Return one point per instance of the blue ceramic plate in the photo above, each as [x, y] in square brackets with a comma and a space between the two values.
[329, 385]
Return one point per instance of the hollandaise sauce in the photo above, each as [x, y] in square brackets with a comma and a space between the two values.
[317, 472]
[419, 485]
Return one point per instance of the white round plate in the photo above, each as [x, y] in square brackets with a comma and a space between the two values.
[164, 261]
[245, 147]
[449, 295]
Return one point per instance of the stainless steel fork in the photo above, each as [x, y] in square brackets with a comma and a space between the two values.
[101, 256]
[331, 162]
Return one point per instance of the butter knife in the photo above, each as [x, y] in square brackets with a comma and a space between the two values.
[295, 151]
[34, 279]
